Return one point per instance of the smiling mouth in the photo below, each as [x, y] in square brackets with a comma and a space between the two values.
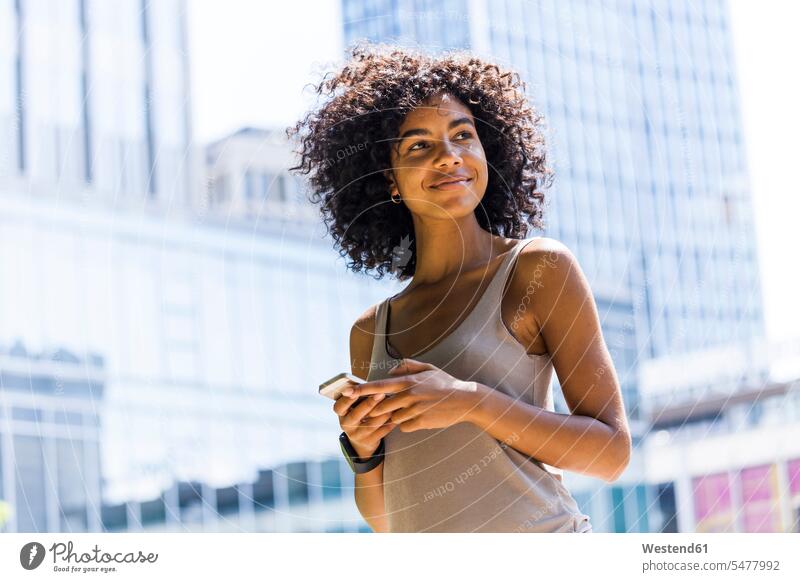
[451, 184]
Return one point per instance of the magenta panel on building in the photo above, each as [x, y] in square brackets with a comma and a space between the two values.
[760, 503]
[713, 503]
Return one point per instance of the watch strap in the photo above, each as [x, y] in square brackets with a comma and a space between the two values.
[358, 465]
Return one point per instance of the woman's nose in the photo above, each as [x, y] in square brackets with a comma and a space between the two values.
[448, 154]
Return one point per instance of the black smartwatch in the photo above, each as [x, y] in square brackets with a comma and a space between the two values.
[357, 465]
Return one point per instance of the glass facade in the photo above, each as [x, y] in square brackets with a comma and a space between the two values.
[437, 24]
[50, 403]
[213, 342]
[94, 98]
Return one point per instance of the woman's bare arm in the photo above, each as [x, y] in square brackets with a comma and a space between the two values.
[368, 486]
[594, 438]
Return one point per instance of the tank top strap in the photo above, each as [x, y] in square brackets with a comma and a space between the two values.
[379, 335]
[494, 292]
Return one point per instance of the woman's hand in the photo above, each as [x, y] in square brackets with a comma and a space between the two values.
[365, 432]
[422, 396]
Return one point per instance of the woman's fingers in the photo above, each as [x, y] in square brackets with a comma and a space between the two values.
[375, 421]
[376, 433]
[406, 414]
[365, 407]
[383, 430]
[388, 386]
[354, 417]
[396, 402]
[342, 404]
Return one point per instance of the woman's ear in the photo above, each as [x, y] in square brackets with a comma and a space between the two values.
[389, 175]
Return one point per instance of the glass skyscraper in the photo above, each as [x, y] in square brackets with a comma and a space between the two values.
[94, 98]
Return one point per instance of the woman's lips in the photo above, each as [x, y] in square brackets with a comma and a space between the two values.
[453, 185]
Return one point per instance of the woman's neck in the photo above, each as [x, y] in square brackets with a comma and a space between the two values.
[445, 248]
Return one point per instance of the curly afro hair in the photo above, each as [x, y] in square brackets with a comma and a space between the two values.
[344, 148]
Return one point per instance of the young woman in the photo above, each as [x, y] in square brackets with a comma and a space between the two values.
[433, 168]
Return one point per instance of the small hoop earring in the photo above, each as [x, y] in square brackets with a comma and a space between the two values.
[398, 199]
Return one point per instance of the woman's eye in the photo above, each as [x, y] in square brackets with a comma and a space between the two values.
[420, 145]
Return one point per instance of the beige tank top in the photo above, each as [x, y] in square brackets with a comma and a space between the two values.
[460, 478]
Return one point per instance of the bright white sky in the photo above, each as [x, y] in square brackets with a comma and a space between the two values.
[767, 43]
[250, 61]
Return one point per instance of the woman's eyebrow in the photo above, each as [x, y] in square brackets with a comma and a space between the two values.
[423, 131]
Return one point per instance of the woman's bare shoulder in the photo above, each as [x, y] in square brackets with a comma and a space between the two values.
[549, 270]
[526, 305]
[544, 252]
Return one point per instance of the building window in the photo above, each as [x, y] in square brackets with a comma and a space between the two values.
[331, 479]
[297, 478]
[618, 509]
[190, 501]
[264, 491]
[72, 480]
[249, 185]
[114, 517]
[29, 414]
[153, 512]
[29, 456]
[227, 500]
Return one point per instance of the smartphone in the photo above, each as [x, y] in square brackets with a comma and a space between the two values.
[332, 388]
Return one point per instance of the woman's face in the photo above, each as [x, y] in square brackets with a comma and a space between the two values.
[438, 162]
